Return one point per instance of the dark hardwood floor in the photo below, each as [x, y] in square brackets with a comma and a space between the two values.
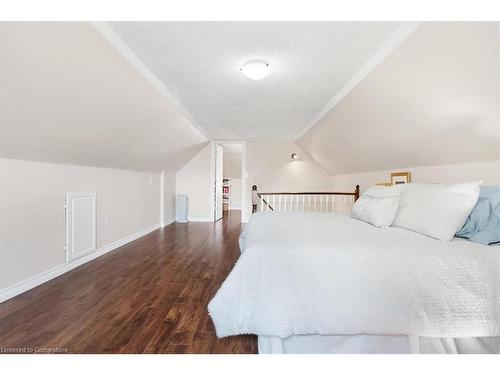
[150, 296]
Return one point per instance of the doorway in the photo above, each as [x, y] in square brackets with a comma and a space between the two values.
[229, 179]
[219, 182]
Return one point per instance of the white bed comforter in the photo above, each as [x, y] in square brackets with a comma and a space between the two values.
[332, 274]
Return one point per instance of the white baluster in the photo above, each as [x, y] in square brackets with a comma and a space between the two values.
[261, 203]
[314, 209]
[274, 205]
[279, 202]
[284, 205]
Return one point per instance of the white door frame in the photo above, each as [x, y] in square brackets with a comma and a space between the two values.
[243, 177]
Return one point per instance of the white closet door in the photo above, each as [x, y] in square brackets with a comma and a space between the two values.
[80, 224]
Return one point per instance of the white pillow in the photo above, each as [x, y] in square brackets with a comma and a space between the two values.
[438, 211]
[378, 205]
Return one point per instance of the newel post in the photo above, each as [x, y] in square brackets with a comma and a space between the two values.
[255, 199]
[356, 193]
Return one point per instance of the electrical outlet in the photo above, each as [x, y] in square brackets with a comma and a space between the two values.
[106, 222]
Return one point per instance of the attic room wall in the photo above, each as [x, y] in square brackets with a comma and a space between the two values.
[169, 186]
[488, 172]
[194, 179]
[232, 164]
[433, 102]
[68, 96]
[270, 167]
[32, 220]
[232, 170]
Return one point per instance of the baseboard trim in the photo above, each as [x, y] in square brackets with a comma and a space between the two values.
[195, 219]
[202, 219]
[34, 281]
[168, 222]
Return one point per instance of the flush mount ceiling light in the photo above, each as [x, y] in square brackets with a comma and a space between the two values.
[256, 69]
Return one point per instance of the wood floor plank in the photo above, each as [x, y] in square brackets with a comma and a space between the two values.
[149, 296]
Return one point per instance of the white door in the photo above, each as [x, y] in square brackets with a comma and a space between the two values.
[80, 224]
[219, 167]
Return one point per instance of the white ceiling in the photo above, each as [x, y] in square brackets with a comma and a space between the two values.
[67, 96]
[434, 101]
[199, 64]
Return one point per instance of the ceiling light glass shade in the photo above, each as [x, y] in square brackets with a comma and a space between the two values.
[256, 69]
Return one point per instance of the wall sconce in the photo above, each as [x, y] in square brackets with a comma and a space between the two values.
[294, 156]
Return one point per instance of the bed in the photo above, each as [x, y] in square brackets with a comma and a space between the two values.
[328, 283]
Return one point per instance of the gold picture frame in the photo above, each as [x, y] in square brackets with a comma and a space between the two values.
[400, 178]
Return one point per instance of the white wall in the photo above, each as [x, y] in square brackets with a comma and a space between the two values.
[232, 170]
[270, 167]
[433, 101]
[235, 193]
[195, 180]
[488, 172]
[169, 189]
[69, 89]
[32, 220]
[232, 164]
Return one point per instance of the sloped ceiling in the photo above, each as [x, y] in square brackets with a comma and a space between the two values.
[67, 96]
[434, 101]
[199, 63]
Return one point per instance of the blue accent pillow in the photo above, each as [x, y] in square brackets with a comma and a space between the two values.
[483, 224]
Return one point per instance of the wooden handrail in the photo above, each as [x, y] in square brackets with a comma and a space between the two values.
[310, 193]
[355, 193]
[263, 201]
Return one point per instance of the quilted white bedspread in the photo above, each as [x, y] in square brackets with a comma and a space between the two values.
[302, 273]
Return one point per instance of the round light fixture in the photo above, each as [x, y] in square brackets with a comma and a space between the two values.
[295, 156]
[256, 69]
